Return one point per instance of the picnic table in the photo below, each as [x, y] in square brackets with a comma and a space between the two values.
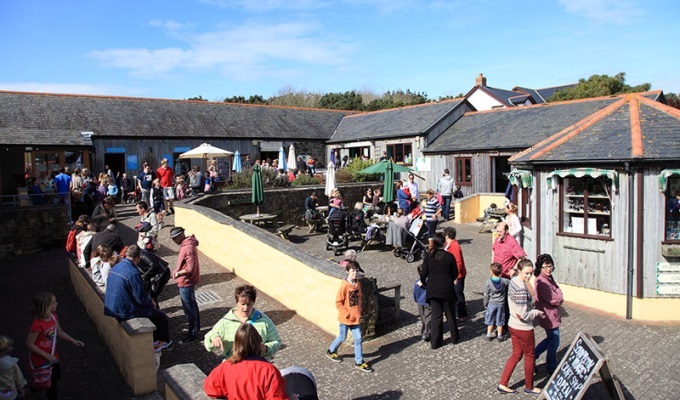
[492, 217]
[258, 219]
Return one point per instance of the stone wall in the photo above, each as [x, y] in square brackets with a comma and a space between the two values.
[287, 203]
[32, 228]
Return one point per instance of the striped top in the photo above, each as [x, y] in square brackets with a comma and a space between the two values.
[431, 208]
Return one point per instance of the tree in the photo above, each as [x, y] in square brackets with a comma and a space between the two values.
[672, 99]
[341, 101]
[199, 98]
[598, 85]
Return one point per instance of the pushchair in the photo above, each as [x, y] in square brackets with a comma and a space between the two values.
[358, 223]
[417, 233]
[132, 197]
[338, 231]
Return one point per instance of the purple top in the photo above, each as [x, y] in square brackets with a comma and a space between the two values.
[548, 299]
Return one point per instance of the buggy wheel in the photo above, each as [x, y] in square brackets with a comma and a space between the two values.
[335, 250]
[397, 253]
[410, 258]
[328, 246]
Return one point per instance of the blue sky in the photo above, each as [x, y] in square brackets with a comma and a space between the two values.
[221, 48]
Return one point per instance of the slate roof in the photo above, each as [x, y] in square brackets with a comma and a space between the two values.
[542, 95]
[23, 114]
[514, 128]
[43, 137]
[635, 127]
[506, 97]
[393, 123]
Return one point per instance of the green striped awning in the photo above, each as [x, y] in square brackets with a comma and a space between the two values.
[580, 173]
[521, 178]
[664, 175]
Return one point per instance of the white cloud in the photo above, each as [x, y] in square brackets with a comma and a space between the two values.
[169, 24]
[246, 52]
[70, 88]
[615, 11]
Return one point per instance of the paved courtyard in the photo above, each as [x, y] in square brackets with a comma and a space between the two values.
[645, 357]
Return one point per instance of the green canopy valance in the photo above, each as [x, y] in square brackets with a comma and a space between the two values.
[664, 175]
[580, 173]
[521, 178]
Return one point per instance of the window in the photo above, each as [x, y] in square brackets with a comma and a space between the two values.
[357, 152]
[464, 171]
[525, 206]
[400, 153]
[672, 225]
[586, 207]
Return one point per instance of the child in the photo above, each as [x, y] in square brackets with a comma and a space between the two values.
[42, 338]
[156, 198]
[495, 296]
[419, 295]
[12, 381]
[100, 265]
[181, 188]
[348, 302]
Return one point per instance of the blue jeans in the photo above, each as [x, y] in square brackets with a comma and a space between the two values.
[446, 206]
[356, 335]
[551, 343]
[190, 307]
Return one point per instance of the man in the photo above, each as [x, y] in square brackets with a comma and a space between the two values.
[506, 251]
[445, 188]
[126, 298]
[301, 166]
[453, 247]
[145, 182]
[187, 275]
[384, 156]
[62, 183]
[413, 188]
[167, 178]
[108, 236]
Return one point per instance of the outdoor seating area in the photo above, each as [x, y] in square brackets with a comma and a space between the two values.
[491, 218]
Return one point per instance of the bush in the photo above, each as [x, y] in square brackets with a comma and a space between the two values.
[343, 176]
[244, 179]
[304, 180]
[351, 172]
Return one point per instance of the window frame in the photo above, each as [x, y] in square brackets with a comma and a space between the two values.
[463, 179]
[672, 184]
[392, 152]
[587, 196]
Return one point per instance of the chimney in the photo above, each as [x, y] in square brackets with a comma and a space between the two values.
[480, 81]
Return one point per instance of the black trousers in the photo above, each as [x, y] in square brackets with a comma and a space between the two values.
[162, 323]
[461, 307]
[439, 308]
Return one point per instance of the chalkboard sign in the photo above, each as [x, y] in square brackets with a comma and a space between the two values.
[572, 377]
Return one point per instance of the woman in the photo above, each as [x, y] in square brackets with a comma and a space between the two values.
[439, 271]
[246, 375]
[396, 230]
[368, 199]
[220, 339]
[104, 213]
[514, 226]
[520, 325]
[548, 299]
[148, 227]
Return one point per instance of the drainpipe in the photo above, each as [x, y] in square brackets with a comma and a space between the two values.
[631, 241]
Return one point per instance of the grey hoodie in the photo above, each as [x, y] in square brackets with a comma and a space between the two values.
[445, 185]
[494, 292]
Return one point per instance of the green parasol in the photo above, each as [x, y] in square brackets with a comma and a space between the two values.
[258, 192]
[388, 168]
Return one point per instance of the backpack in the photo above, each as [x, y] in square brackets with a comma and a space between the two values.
[155, 273]
[71, 242]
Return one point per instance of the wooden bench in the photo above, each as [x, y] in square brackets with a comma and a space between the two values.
[397, 297]
[285, 230]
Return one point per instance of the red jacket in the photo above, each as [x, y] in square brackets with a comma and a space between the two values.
[457, 253]
[251, 379]
[187, 260]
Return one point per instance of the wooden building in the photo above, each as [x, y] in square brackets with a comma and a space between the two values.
[606, 201]
[49, 130]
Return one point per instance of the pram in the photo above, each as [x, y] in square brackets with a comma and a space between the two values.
[418, 234]
[338, 228]
[358, 223]
[132, 197]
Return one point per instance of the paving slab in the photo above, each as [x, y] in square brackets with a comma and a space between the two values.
[645, 357]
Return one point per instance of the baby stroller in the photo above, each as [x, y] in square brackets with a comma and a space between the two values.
[338, 227]
[418, 234]
[358, 223]
[132, 197]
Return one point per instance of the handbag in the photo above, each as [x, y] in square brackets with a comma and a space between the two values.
[42, 375]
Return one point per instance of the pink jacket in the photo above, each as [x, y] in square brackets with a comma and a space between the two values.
[188, 260]
[548, 299]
